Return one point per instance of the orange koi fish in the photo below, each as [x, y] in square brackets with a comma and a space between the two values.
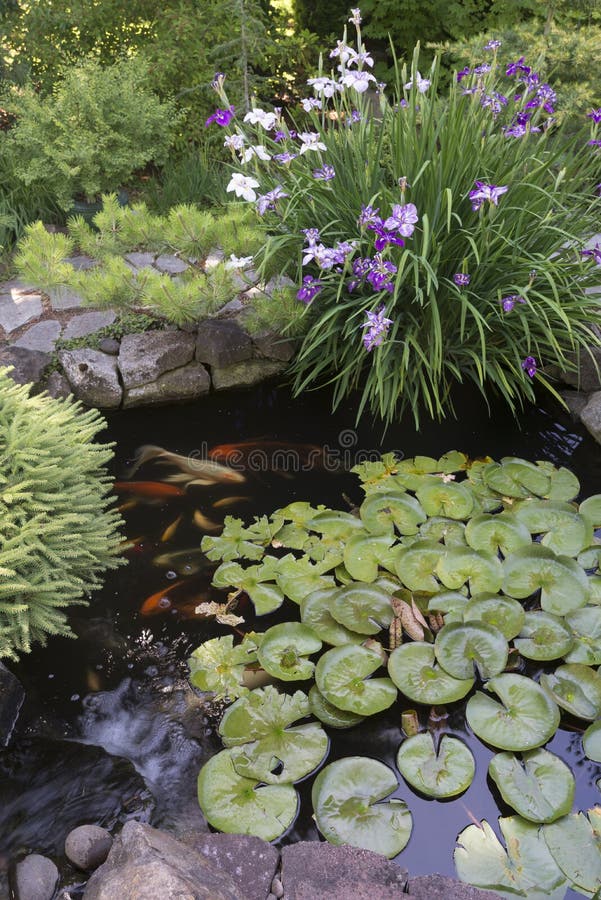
[191, 465]
[148, 489]
[159, 602]
[272, 456]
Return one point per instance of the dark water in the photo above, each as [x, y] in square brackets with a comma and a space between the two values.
[121, 686]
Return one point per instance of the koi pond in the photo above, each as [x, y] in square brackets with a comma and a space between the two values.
[122, 685]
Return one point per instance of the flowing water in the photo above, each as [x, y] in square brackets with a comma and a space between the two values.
[120, 689]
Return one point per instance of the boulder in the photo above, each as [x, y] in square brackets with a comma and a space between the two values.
[28, 365]
[245, 374]
[87, 846]
[36, 878]
[146, 864]
[222, 342]
[311, 870]
[110, 346]
[248, 860]
[88, 323]
[58, 386]
[11, 700]
[270, 345]
[590, 416]
[588, 375]
[185, 383]
[575, 401]
[146, 356]
[18, 305]
[42, 336]
[93, 377]
[440, 887]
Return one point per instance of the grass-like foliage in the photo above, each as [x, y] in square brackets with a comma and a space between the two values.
[476, 180]
[58, 534]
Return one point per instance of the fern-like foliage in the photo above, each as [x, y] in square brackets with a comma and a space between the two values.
[58, 534]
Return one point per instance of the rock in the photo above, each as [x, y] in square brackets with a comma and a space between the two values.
[146, 864]
[312, 870]
[139, 260]
[277, 888]
[57, 386]
[440, 887]
[88, 846]
[185, 383]
[591, 415]
[11, 700]
[248, 860]
[232, 308]
[222, 342]
[17, 306]
[171, 265]
[278, 282]
[93, 377]
[88, 323]
[64, 298]
[36, 878]
[28, 365]
[146, 356]
[575, 402]
[42, 336]
[588, 376]
[213, 258]
[246, 373]
[270, 345]
[81, 262]
[110, 346]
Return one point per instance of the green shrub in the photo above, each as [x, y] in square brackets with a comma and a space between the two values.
[57, 532]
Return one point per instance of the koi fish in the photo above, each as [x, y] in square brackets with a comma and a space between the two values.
[205, 524]
[153, 490]
[171, 529]
[226, 502]
[190, 465]
[184, 562]
[272, 456]
[159, 602]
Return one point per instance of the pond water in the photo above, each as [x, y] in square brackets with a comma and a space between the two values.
[121, 685]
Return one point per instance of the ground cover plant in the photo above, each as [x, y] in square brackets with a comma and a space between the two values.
[468, 584]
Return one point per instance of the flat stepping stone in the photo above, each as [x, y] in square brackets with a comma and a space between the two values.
[42, 336]
[28, 365]
[171, 265]
[81, 262]
[18, 305]
[213, 258]
[139, 260]
[88, 323]
[64, 298]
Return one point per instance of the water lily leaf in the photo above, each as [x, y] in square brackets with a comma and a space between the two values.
[543, 636]
[373, 474]
[335, 524]
[235, 804]
[462, 565]
[450, 603]
[525, 869]
[266, 597]
[449, 499]
[514, 477]
[590, 557]
[564, 484]
[236, 541]
[299, 577]
[315, 612]
[284, 651]
[525, 718]
[345, 798]
[586, 628]
[503, 613]
[561, 581]
[364, 552]
[494, 534]
[575, 844]
[443, 773]
[566, 531]
[217, 666]
[452, 461]
[382, 512]
[540, 787]
[299, 512]
[329, 714]
[418, 465]
[461, 647]
[595, 590]
[415, 565]
[290, 535]
[364, 608]
[342, 676]
[591, 742]
[449, 531]
[591, 510]
[414, 670]
[575, 687]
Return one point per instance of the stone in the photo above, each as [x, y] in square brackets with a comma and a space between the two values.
[17, 306]
[591, 416]
[64, 298]
[146, 356]
[441, 887]
[231, 308]
[42, 336]
[278, 282]
[245, 374]
[110, 346]
[139, 260]
[186, 383]
[28, 365]
[57, 386]
[311, 870]
[171, 265]
[88, 323]
[81, 262]
[36, 878]
[147, 864]
[222, 342]
[87, 846]
[11, 700]
[248, 860]
[588, 375]
[575, 401]
[93, 377]
[213, 258]
[269, 345]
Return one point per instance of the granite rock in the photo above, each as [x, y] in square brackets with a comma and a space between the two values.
[575, 401]
[171, 265]
[139, 260]
[88, 846]
[440, 887]
[222, 342]
[42, 336]
[36, 878]
[146, 356]
[248, 860]
[88, 323]
[28, 365]
[312, 870]
[93, 377]
[590, 416]
[588, 375]
[58, 386]
[270, 345]
[64, 298]
[17, 305]
[245, 374]
[11, 700]
[81, 262]
[110, 346]
[186, 383]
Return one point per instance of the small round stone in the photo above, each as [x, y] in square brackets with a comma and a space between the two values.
[110, 346]
[276, 888]
[88, 846]
[36, 878]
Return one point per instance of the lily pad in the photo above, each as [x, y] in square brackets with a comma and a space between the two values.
[445, 772]
[564, 484]
[575, 844]
[364, 553]
[236, 805]
[543, 637]
[335, 523]
[494, 534]
[449, 531]
[364, 608]
[256, 581]
[586, 628]
[384, 511]
[342, 676]
[561, 581]
[590, 557]
[415, 565]
[462, 565]
[565, 531]
[576, 688]
[284, 651]
[329, 714]
[591, 510]
[315, 612]
[504, 613]
[525, 718]
[345, 798]
[514, 477]
[450, 499]
[414, 670]
[591, 742]
[217, 666]
[236, 541]
[460, 647]
[300, 577]
[450, 603]
[540, 787]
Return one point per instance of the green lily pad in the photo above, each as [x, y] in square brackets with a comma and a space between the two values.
[236, 541]
[462, 565]
[257, 727]
[540, 787]
[591, 510]
[315, 612]
[565, 531]
[451, 499]
[217, 666]
[256, 581]
[518, 478]
[450, 603]
[564, 484]
[591, 742]
[382, 512]
[543, 637]
[575, 687]
[449, 531]
[460, 647]
[329, 714]
[445, 772]
[336, 524]
[415, 565]
[595, 590]
[284, 651]
[590, 557]
[561, 581]
[364, 608]
[525, 718]
[575, 844]
[300, 512]
[586, 628]
[300, 577]
[346, 797]
[363, 553]
[452, 461]
[236, 805]
[414, 670]
[373, 473]
[494, 534]
[504, 613]
[342, 676]
[525, 869]
[418, 465]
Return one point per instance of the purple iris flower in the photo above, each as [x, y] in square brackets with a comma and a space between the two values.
[492, 45]
[484, 69]
[268, 200]
[355, 115]
[594, 253]
[217, 82]
[368, 215]
[598, 189]
[483, 192]
[545, 97]
[494, 102]
[384, 237]
[595, 115]
[463, 73]
[377, 326]
[380, 273]
[311, 236]
[311, 287]
[518, 67]
[284, 158]
[403, 219]
[221, 117]
[594, 143]
[461, 279]
[361, 267]
[529, 366]
[509, 302]
[531, 82]
[521, 126]
[279, 136]
[326, 173]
